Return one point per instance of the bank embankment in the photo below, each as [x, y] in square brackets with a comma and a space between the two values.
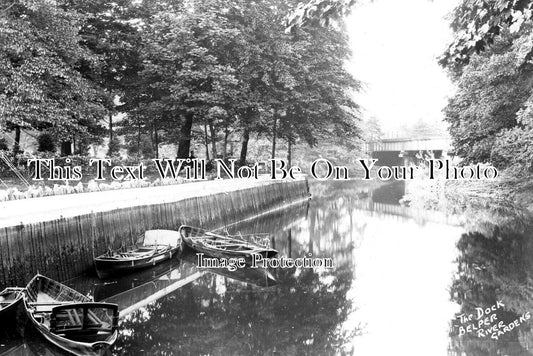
[60, 235]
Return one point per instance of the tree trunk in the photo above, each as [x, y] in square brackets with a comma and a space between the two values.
[289, 156]
[66, 148]
[244, 147]
[225, 148]
[139, 140]
[213, 141]
[152, 140]
[184, 144]
[206, 143]
[110, 145]
[274, 129]
[16, 146]
[110, 127]
[156, 141]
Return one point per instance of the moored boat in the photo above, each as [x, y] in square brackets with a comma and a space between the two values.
[69, 319]
[9, 299]
[223, 246]
[157, 246]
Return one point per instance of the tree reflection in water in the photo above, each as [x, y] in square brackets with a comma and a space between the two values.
[218, 316]
[496, 265]
[304, 313]
[313, 311]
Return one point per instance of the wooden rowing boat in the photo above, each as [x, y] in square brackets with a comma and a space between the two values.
[9, 299]
[69, 319]
[222, 246]
[157, 246]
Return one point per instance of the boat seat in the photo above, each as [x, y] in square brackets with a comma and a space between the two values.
[130, 255]
[135, 254]
[45, 307]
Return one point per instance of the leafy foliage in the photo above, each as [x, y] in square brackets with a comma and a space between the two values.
[178, 70]
[229, 65]
[46, 143]
[490, 115]
[41, 86]
[478, 24]
[114, 146]
[3, 144]
[493, 267]
[317, 11]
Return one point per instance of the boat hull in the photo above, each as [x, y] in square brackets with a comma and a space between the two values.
[216, 245]
[15, 297]
[227, 254]
[106, 268]
[77, 348]
[85, 339]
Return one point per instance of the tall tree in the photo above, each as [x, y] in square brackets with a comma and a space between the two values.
[41, 85]
[230, 65]
[111, 32]
[490, 114]
[298, 81]
[182, 76]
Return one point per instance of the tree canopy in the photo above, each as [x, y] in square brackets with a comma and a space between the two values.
[177, 71]
[317, 11]
[490, 61]
[229, 66]
[42, 85]
[479, 23]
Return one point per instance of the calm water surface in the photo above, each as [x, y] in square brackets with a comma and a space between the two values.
[400, 280]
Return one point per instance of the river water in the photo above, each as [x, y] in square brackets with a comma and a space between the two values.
[401, 281]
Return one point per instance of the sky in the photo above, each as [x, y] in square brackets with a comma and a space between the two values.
[395, 48]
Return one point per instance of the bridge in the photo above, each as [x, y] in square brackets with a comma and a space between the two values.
[397, 151]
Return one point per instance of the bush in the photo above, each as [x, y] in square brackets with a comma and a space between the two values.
[114, 146]
[513, 148]
[46, 143]
[144, 149]
[3, 144]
